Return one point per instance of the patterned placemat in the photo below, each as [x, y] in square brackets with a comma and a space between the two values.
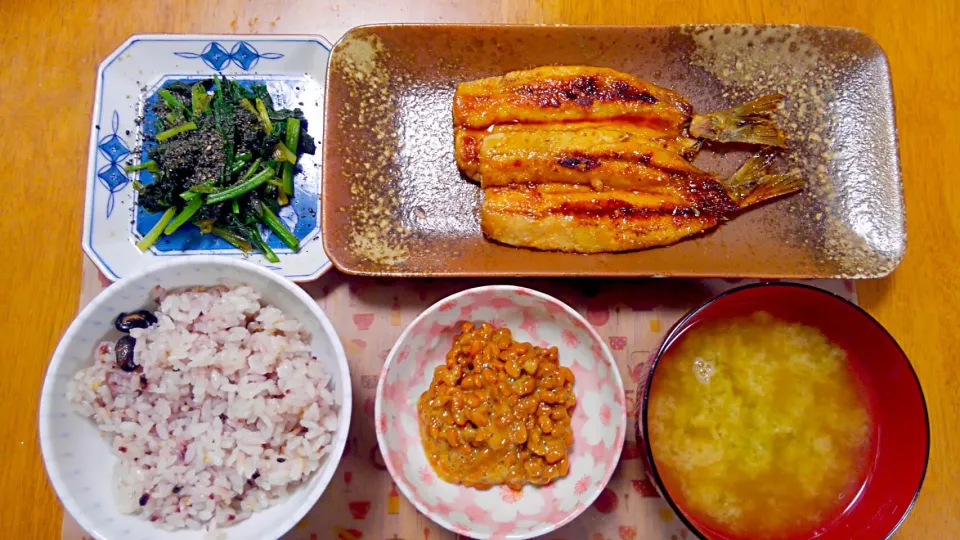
[362, 503]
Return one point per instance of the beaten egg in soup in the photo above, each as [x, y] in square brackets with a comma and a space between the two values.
[759, 428]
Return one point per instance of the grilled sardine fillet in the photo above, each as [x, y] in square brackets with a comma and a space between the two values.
[600, 157]
[576, 218]
[566, 93]
[559, 94]
[557, 142]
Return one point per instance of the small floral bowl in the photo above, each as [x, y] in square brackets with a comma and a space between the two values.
[599, 419]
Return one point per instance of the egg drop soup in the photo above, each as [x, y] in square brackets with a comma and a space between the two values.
[759, 428]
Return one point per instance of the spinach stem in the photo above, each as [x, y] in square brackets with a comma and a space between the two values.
[154, 234]
[264, 117]
[237, 166]
[251, 170]
[274, 224]
[199, 99]
[149, 165]
[244, 187]
[218, 87]
[206, 187]
[172, 102]
[254, 237]
[188, 211]
[293, 139]
[282, 153]
[245, 103]
[174, 131]
[233, 239]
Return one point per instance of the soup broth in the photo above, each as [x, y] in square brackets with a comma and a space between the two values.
[760, 428]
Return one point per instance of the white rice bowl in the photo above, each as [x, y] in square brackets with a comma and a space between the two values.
[232, 424]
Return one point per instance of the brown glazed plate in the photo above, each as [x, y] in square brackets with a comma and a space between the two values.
[394, 203]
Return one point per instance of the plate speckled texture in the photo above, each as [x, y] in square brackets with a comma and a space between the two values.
[395, 204]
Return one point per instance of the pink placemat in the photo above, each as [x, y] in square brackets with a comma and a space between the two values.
[362, 503]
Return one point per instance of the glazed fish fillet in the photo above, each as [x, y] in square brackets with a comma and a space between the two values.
[577, 218]
[566, 93]
[552, 94]
[570, 146]
[600, 157]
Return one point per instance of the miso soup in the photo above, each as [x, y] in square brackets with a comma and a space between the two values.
[760, 428]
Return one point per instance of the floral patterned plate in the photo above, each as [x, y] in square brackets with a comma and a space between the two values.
[294, 70]
[599, 419]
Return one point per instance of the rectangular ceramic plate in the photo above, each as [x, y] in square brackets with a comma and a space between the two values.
[394, 203]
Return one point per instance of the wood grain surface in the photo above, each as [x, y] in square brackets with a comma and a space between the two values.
[49, 52]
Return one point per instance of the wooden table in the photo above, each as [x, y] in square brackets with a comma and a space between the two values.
[49, 54]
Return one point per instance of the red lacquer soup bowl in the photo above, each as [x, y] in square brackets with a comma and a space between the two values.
[901, 428]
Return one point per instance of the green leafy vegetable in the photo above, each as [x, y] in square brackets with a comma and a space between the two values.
[238, 165]
[233, 239]
[224, 161]
[252, 236]
[199, 99]
[264, 117]
[293, 138]
[148, 165]
[253, 168]
[176, 107]
[188, 211]
[235, 191]
[274, 224]
[154, 234]
[206, 187]
[174, 131]
[282, 153]
[245, 103]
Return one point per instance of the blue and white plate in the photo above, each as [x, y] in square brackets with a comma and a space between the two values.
[293, 68]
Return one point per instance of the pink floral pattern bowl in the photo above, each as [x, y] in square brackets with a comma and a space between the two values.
[599, 420]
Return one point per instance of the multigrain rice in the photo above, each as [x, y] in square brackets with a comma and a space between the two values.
[227, 412]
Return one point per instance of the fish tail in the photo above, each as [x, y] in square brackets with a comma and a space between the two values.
[754, 183]
[751, 122]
